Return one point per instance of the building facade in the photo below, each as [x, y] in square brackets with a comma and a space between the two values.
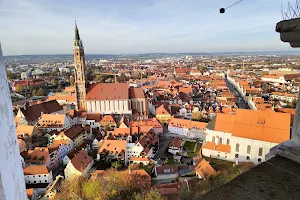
[246, 136]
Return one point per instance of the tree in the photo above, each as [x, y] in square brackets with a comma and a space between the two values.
[20, 88]
[186, 193]
[113, 185]
[122, 77]
[202, 69]
[294, 103]
[154, 195]
[59, 88]
[196, 116]
[54, 81]
[98, 78]
[34, 92]
[117, 165]
[10, 75]
[72, 80]
[41, 92]
[106, 127]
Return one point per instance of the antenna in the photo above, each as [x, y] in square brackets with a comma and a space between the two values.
[222, 10]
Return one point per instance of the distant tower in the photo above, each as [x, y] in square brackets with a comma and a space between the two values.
[79, 63]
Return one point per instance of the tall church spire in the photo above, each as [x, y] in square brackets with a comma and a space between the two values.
[76, 32]
[77, 40]
[79, 64]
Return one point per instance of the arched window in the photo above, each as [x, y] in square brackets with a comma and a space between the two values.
[248, 149]
[237, 147]
[228, 141]
[213, 139]
[220, 140]
[260, 151]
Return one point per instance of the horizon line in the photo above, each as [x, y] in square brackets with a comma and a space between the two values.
[216, 52]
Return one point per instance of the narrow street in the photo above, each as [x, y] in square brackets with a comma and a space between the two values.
[164, 143]
[240, 101]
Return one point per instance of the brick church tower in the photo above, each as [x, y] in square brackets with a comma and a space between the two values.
[79, 63]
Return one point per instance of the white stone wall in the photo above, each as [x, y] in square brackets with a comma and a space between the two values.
[108, 107]
[134, 150]
[12, 184]
[38, 178]
[243, 147]
[178, 130]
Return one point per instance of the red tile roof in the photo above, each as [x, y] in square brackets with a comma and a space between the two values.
[162, 110]
[81, 160]
[217, 147]
[136, 93]
[32, 113]
[96, 117]
[108, 91]
[73, 132]
[34, 169]
[204, 169]
[257, 125]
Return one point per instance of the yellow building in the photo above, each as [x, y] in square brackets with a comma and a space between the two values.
[163, 114]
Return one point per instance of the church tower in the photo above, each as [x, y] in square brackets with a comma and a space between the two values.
[79, 63]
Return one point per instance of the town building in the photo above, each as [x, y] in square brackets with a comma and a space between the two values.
[32, 194]
[246, 136]
[105, 98]
[113, 149]
[58, 122]
[163, 114]
[79, 165]
[204, 170]
[188, 128]
[39, 176]
[31, 114]
[166, 172]
[75, 135]
[175, 146]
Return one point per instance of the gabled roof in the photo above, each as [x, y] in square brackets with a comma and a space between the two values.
[162, 110]
[52, 120]
[217, 147]
[176, 142]
[96, 117]
[32, 113]
[73, 132]
[167, 169]
[257, 125]
[204, 169]
[24, 129]
[188, 124]
[108, 91]
[34, 170]
[39, 154]
[146, 122]
[136, 93]
[112, 146]
[63, 97]
[108, 119]
[81, 160]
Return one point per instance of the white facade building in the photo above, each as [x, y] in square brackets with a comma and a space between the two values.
[37, 174]
[188, 128]
[116, 98]
[79, 165]
[246, 136]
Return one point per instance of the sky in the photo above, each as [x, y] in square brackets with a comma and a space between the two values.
[140, 26]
